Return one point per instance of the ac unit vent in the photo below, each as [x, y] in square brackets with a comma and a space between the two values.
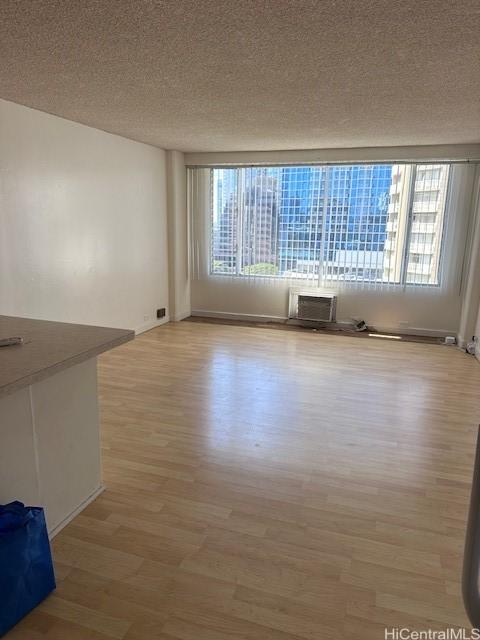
[313, 306]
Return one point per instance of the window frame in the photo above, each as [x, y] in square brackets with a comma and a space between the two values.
[321, 279]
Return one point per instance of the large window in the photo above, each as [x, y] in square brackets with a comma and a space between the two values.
[368, 223]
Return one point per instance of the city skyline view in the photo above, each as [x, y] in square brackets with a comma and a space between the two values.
[368, 223]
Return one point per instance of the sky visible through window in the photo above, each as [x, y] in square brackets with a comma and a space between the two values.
[368, 223]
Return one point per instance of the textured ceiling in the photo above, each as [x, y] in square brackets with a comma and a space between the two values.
[214, 75]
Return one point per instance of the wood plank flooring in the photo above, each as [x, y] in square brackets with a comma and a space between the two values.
[270, 485]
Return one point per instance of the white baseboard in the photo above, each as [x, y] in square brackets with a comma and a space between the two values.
[413, 331]
[151, 325]
[53, 532]
[181, 316]
[248, 317]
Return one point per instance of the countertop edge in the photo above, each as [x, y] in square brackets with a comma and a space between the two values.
[78, 358]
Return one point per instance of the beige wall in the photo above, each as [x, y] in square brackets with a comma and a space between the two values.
[83, 223]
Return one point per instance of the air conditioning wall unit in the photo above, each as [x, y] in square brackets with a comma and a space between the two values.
[312, 305]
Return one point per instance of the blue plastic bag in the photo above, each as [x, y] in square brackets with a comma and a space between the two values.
[26, 568]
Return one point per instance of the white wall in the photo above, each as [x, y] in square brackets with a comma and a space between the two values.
[387, 310]
[83, 223]
[477, 334]
[470, 315]
[471, 310]
[415, 310]
[178, 268]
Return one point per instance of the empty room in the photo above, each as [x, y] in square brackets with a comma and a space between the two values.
[239, 320]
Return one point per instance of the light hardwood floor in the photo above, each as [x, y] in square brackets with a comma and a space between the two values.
[270, 485]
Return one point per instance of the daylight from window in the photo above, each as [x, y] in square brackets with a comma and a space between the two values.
[367, 223]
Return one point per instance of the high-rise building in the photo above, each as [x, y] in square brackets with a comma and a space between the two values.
[301, 214]
[356, 217]
[245, 224]
[334, 219]
[423, 232]
[353, 222]
[259, 192]
[225, 221]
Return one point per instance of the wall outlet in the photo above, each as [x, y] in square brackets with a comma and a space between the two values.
[161, 312]
[145, 318]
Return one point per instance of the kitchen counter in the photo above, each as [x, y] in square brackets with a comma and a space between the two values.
[49, 425]
[48, 348]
